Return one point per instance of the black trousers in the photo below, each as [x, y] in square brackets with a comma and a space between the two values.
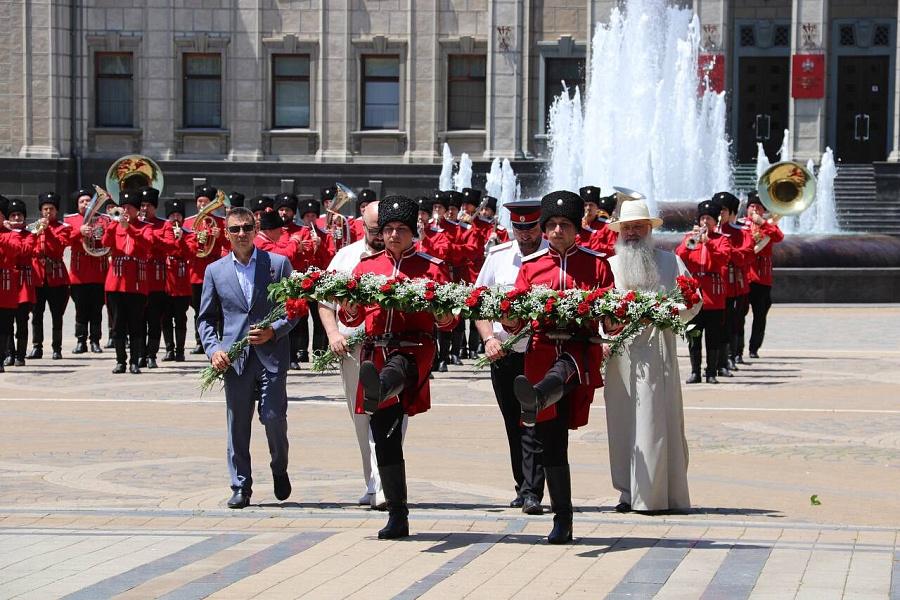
[553, 436]
[711, 325]
[175, 319]
[57, 297]
[387, 432]
[729, 330]
[319, 339]
[760, 302]
[18, 343]
[152, 324]
[6, 323]
[196, 293]
[525, 454]
[459, 338]
[127, 311]
[474, 337]
[89, 299]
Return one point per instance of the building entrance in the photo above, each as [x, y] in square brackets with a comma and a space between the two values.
[763, 90]
[862, 108]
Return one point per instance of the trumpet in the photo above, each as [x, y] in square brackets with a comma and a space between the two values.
[692, 241]
[584, 220]
[37, 227]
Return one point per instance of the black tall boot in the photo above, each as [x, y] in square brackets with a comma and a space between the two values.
[180, 336]
[378, 387]
[169, 342]
[696, 354]
[712, 357]
[80, 338]
[559, 483]
[733, 345]
[57, 344]
[561, 379]
[393, 482]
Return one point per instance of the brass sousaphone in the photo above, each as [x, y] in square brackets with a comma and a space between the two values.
[786, 189]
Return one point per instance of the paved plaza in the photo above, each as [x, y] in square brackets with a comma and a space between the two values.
[115, 486]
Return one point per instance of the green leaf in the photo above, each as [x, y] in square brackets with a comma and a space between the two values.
[814, 500]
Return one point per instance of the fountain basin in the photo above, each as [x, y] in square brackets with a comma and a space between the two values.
[839, 268]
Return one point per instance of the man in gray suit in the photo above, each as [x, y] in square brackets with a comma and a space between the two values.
[235, 288]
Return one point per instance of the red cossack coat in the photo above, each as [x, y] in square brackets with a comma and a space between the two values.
[707, 262]
[84, 268]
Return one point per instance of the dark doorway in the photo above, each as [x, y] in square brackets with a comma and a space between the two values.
[862, 108]
[763, 85]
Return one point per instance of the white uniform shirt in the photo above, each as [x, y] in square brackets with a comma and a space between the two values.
[346, 259]
[502, 268]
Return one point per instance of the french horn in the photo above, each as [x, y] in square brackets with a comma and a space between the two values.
[92, 215]
[204, 223]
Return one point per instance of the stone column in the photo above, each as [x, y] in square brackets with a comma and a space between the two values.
[806, 117]
[156, 89]
[334, 82]
[246, 92]
[40, 95]
[423, 69]
[895, 147]
[504, 83]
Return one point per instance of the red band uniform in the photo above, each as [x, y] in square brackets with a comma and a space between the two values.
[87, 275]
[761, 270]
[12, 247]
[27, 295]
[51, 277]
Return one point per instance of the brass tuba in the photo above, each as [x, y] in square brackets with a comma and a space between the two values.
[134, 171]
[204, 223]
[786, 189]
[334, 220]
[92, 215]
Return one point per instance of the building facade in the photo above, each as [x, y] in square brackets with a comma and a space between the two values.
[270, 87]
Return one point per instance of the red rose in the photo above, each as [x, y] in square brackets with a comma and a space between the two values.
[583, 308]
[548, 307]
[535, 324]
[621, 312]
[470, 301]
[511, 294]
[296, 308]
[675, 311]
[695, 298]
[561, 294]
[629, 297]
[315, 275]
[504, 305]
[429, 295]
[351, 285]
[307, 284]
[386, 288]
[430, 285]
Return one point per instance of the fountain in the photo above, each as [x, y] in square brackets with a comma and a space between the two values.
[445, 183]
[463, 177]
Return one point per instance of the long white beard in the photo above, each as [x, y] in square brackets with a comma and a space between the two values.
[637, 265]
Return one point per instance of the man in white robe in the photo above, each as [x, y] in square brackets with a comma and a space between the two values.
[648, 452]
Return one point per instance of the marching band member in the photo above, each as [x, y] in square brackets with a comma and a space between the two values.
[430, 239]
[130, 241]
[203, 195]
[502, 267]
[87, 274]
[16, 354]
[181, 249]
[761, 270]
[736, 284]
[393, 374]
[466, 248]
[496, 233]
[322, 256]
[156, 278]
[557, 389]
[357, 225]
[326, 199]
[51, 278]
[11, 247]
[597, 212]
[706, 254]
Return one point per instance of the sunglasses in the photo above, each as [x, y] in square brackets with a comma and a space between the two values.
[247, 228]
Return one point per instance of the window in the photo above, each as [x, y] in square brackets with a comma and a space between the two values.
[466, 92]
[290, 90]
[202, 90]
[381, 92]
[115, 89]
[557, 71]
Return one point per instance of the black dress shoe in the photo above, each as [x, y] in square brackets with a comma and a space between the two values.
[35, 353]
[169, 356]
[151, 363]
[456, 360]
[474, 355]
[694, 378]
[20, 362]
[9, 361]
[623, 507]
[739, 360]
[80, 348]
[723, 372]
[731, 365]
[134, 369]
[95, 348]
[110, 343]
[532, 506]
[517, 502]
[142, 362]
[711, 379]
[120, 368]
[57, 355]
[282, 486]
[442, 366]
[2, 368]
[179, 357]
[753, 355]
[240, 499]
[303, 356]
[295, 366]
[198, 349]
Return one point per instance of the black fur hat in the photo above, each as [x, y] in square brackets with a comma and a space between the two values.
[82, 192]
[491, 203]
[366, 195]
[270, 220]
[562, 204]
[207, 191]
[753, 198]
[327, 193]
[48, 198]
[150, 195]
[398, 208]
[264, 203]
[16, 205]
[727, 200]
[308, 206]
[590, 193]
[442, 198]
[607, 203]
[174, 206]
[456, 198]
[287, 200]
[425, 203]
[471, 196]
[130, 198]
[236, 199]
[709, 207]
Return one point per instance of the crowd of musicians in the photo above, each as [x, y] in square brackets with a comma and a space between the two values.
[152, 275]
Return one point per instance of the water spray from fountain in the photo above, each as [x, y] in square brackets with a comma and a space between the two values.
[463, 177]
[445, 183]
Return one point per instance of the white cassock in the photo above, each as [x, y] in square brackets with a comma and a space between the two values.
[648, 453]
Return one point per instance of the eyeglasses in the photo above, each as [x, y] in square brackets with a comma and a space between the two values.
[398, 230]
[372, 231]
[246, 228]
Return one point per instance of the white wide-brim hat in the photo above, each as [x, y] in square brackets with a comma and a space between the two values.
[634, 210]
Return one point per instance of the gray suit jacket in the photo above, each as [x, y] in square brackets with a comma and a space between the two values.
[222, 295]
